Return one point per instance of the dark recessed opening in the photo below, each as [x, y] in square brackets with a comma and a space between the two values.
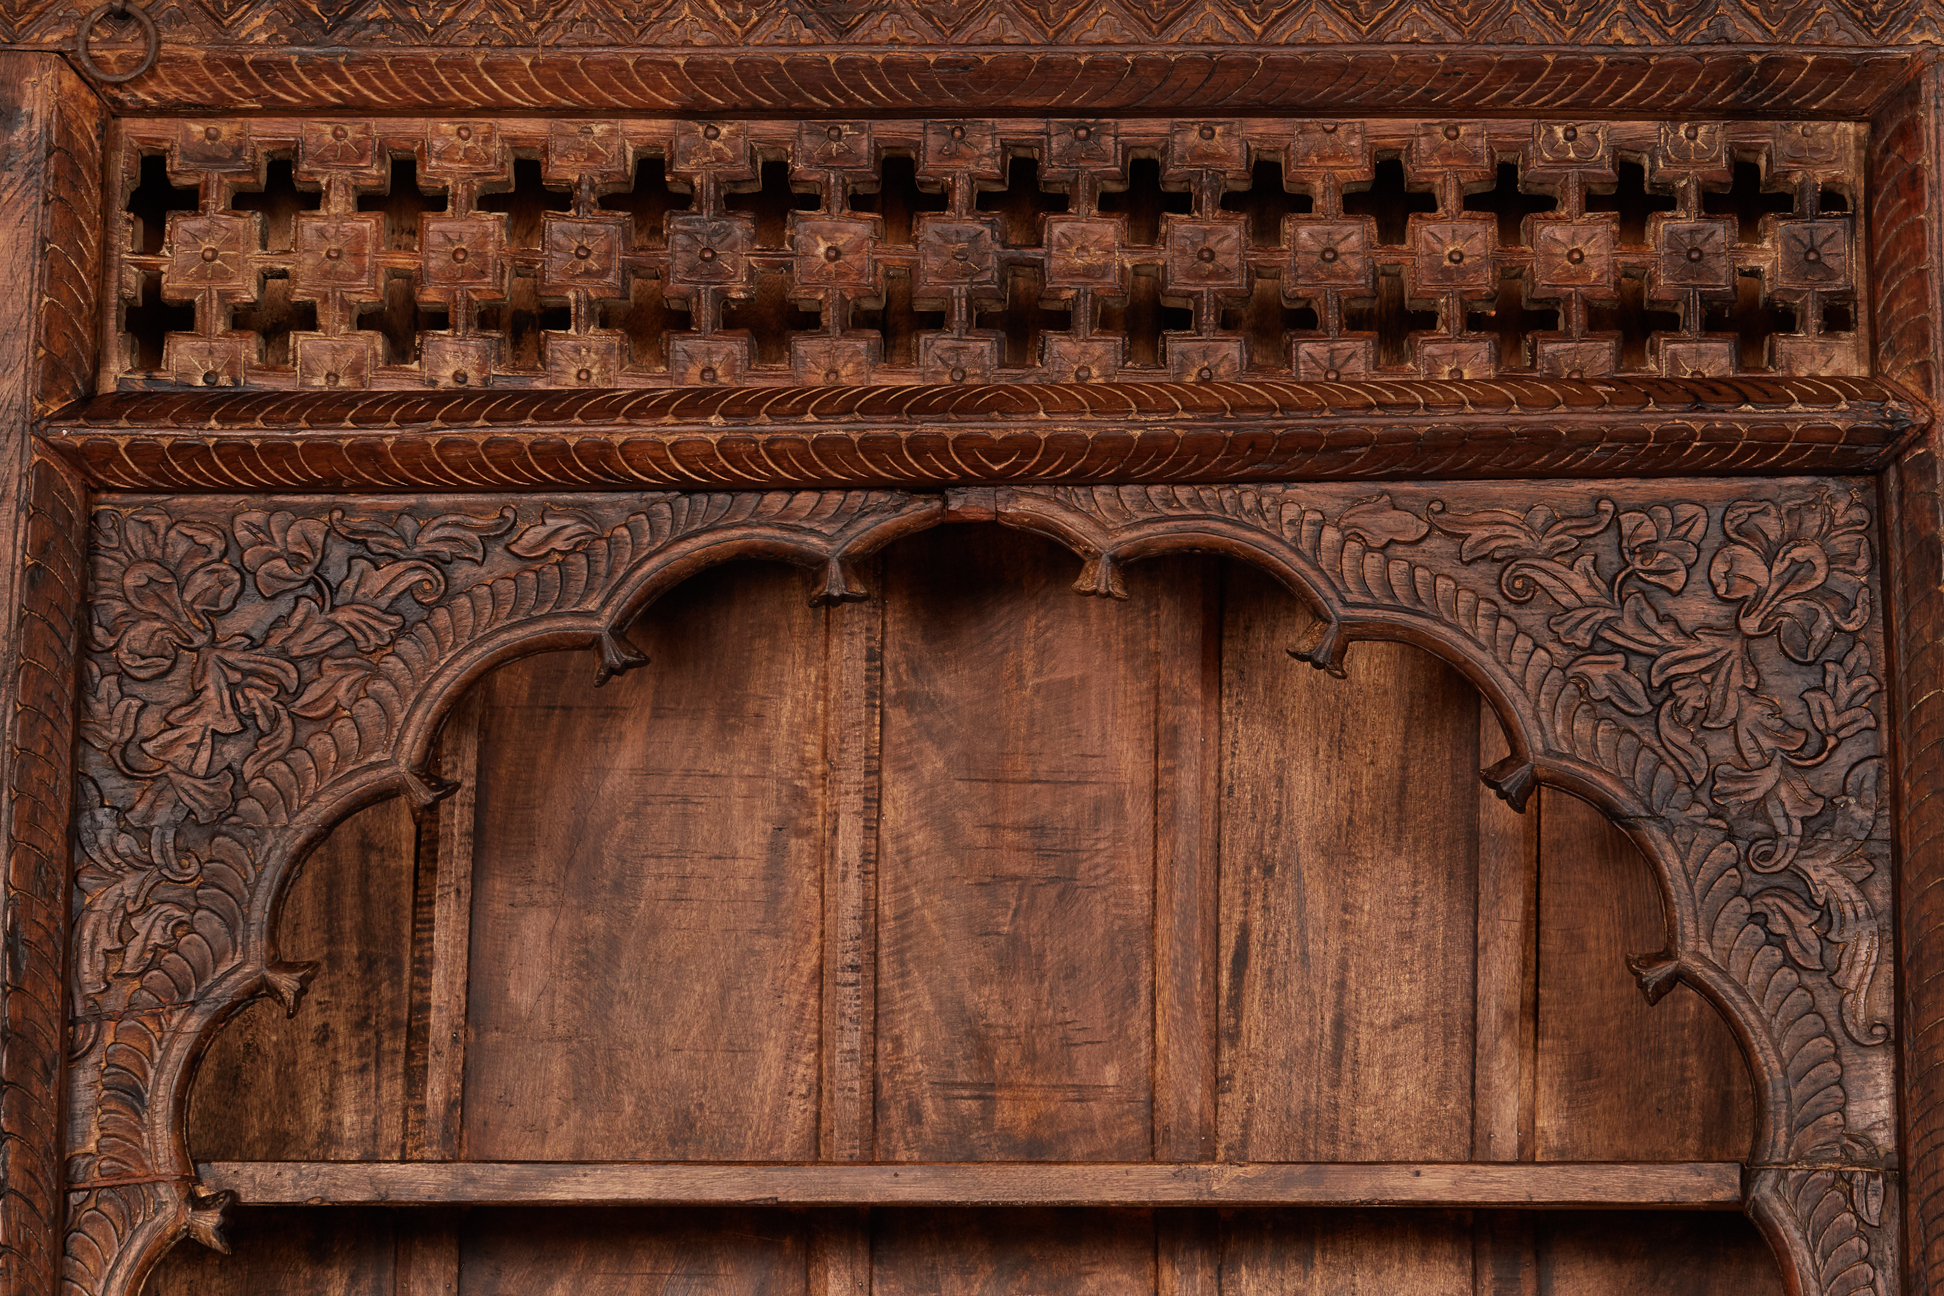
[148, 320]
[1632, 200]
[1633, 320]
[1514, 320]
[527, 203]
[399, 318]
[1753, 318]
[279, 200]
[151, 202]
[649, 201]
[1265, 202]
[1022, 202]
[1265, 321]
[1143, 201]
[274, 317]
[1387, 199]
[898, 319]
[770, 202]
[1144, 317]
[1511, 204]
[1390, 317]
[522, 318]
[899, 197]
[1747, 201]
[647, 317]
[1023, 319]
[404, 203]
[772, 317]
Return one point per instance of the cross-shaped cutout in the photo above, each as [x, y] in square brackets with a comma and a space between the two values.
[522, 318]
[1631, 199]
[1511, 204]
[1143, 201]
[1390, 317]
[899, 198]
[527, 203]
[1631, 318]
[772, 317]
[1753, 319]
[400, 319]
[770, 204]
[649, 201]
[1022, 202]
[647, 317]
[279, 200]
[1144, 317]
[403, 204]
[1513, 320]
[1747, 202]
[148, 319]
[274, 317]
[1266, 322]
[1388, 200]
[898, 320]
[1265, 202]
[1023, 319]
[153, 199]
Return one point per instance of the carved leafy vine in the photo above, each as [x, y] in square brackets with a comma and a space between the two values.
[1678, 646]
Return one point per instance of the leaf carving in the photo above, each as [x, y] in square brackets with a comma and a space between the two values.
[557, 532]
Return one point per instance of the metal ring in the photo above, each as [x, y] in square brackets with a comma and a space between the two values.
[122, 9]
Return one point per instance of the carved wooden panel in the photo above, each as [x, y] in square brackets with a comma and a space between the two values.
[728, 24]
[1706, 666]
[348, 254]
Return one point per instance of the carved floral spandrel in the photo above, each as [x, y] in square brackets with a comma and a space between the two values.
[1707, 671]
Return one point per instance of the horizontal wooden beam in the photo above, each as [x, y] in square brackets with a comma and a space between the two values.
[1692, 1185]
[338, 65]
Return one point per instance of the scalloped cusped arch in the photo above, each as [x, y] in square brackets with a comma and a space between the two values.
[1707, 674]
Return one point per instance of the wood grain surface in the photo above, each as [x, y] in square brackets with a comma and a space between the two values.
[659, 876]
[1697, 1185]
[1016, 864]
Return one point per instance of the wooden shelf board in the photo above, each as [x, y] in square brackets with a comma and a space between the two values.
[1697, 1185]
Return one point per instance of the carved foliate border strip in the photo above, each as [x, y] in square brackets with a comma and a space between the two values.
[1706, 670]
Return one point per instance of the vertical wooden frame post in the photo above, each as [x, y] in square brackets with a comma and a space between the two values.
[50, 232]
[1906, 209]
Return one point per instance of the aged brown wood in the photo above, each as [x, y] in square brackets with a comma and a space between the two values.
[951, 864]
[1691, 1185]
[946, 436]
[1446, 568]
[50, 247]
[470, 284]
[1909, 204]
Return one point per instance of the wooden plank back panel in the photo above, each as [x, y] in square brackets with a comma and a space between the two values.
[1653, 1254]
[1617, 1079]
[328, 1084]
[1002, 1252]
[1016, 863]
[1348, 880]
[274, 1251]
[646, 966]
[1347, 1253]
[632, 1252]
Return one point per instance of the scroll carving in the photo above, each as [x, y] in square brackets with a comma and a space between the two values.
[1707, 671]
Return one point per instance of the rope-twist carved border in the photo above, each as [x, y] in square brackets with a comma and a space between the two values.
[1703, 672]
